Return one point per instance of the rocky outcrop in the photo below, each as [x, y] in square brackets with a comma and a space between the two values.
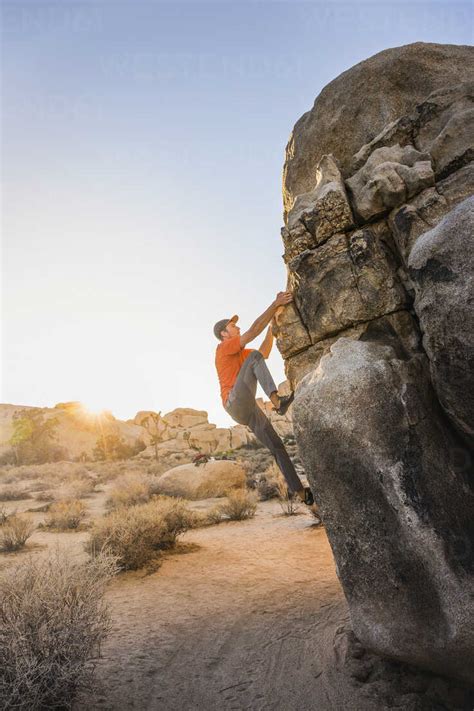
[372, 98]
[184, 432]
[173, 438]
[379, 343]
[181, 434]
[76, 432]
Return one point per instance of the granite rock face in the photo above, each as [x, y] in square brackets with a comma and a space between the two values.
[374, 96]
[441, 266]
[378, 342]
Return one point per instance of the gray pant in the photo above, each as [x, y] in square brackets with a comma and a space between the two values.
[242, 407]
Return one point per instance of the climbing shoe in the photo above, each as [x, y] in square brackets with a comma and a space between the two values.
[308, 496]
[285, 402]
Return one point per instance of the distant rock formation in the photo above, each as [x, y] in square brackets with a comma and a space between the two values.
[173, 438]
[184, 432]
[76, 433]
[378, 237]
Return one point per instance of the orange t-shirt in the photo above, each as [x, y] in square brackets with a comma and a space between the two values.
[229, 358]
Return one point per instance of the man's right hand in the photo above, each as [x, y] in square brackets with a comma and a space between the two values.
[283, 297]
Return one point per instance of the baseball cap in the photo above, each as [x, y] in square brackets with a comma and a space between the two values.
[222, 324]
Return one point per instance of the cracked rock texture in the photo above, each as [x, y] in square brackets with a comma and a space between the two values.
[378, 237]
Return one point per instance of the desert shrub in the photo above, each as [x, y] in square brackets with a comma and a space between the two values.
[252, 445]
[52, 621]
[46, 476]
[3, 516]
[13, 493]
[227, 454]
[240, 504]
[214, 516]
[156, 468]
[79, 488]
[45, 495]
[289, 502]
[14, 532]
[255, 462]
[65, 515]
[111, 470]
[272, 484]
[135, 534]
[132, 489]
[112, 446]
[268, 483]
[36, 485]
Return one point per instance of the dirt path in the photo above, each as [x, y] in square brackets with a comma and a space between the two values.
[245, 621]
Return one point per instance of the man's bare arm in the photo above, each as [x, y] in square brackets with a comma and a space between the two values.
[267, 343]
[282, 298]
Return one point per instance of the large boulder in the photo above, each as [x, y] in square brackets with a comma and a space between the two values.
[203, 481]
[379, 343]
[381, 462]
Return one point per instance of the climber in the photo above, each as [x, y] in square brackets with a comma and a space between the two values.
[239, 369]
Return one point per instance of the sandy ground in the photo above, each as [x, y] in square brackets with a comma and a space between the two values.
[252, 617]
[244, 615]
[237, 623]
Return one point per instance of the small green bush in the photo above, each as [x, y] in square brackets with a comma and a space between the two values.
[135, 534]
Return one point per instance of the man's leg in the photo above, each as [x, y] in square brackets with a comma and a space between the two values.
[242, 407]
[263, 430]
[241, 401]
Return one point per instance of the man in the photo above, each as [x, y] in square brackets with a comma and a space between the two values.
[239, 370]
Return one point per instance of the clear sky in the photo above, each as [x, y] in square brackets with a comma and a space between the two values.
[142, 151]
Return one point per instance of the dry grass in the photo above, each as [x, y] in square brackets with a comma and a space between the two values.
[128, 490]
[46, 495]
[290, 503]
[268, 482]
[13, 493]
[240, 504]
[213, 516]
[49, 482]
[78, 488]
[110, 471]
[66, 515]
[271, 484]
[52, 621]
[131, 490]
[135, 534]
[14, 532]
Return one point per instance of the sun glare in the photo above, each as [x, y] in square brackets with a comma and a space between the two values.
[92, 410]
